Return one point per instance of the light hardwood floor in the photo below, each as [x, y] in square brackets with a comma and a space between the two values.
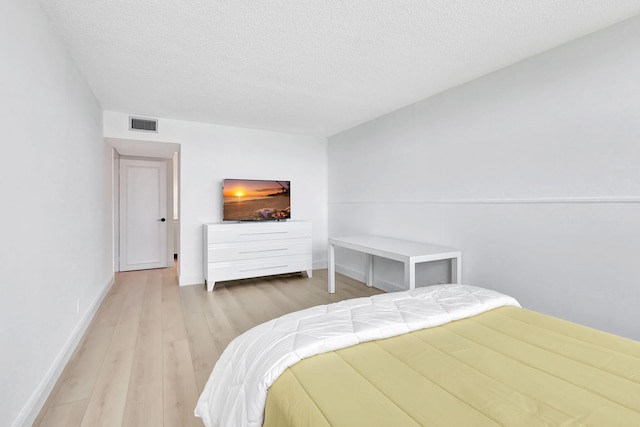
[151, 347]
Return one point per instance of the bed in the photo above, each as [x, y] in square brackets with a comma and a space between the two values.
[446, 355]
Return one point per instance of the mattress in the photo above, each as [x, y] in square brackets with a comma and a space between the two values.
[508, 366]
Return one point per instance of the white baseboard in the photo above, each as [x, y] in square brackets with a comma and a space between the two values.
[361, 277]
[388, 286]
[350, 272]
[319, 265]
[37, 400]
[190, 280]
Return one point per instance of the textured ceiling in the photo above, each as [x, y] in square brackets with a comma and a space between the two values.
[305, 66]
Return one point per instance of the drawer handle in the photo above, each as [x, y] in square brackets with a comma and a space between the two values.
[266, 232]
[264, 250]
[264, 268]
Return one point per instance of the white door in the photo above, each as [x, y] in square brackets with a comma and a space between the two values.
[143, 214]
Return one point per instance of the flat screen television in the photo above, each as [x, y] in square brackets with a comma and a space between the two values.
[256, 200]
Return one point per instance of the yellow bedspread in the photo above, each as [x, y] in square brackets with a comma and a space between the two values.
[508, 366]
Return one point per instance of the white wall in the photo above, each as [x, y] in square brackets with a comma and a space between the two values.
[209, 153]
[533, 171]
[56, 209]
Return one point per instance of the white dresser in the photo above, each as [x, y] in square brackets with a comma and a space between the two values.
[251, 249]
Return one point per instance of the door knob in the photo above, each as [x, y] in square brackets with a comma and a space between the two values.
[161, 219]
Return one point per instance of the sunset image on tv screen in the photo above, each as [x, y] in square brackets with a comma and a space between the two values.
[252, 200]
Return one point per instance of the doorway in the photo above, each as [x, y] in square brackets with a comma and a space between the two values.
[145, 214]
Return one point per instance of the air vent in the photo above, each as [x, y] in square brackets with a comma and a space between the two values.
[145, 125]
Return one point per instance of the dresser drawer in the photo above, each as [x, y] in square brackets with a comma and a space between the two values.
[262, 249]
[232, 270]
[258, 232]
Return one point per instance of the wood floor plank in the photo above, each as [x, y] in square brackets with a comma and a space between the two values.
[107, 403]
[79, 382]
[189, 299]
[134, 299]
[303, 297]
[147, 360]
[252, 313]
[144, 406]
[239, 318]
[201, 343]
[252, 304]
[275, 298]
[109, 313]
[201, 378]
[152, 345]
[173, 327]
[180, 392]
[221, 328]
[125, 335]
[65, 415]
[216, 314]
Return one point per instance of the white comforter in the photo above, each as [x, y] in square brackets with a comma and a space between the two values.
[236, 391]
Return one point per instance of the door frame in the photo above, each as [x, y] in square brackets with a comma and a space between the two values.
[169, 202]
